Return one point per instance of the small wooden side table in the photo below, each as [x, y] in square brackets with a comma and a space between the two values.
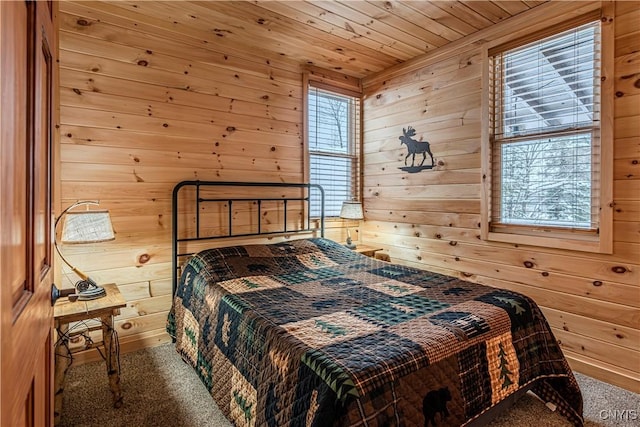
[369, 251]
[65, 312]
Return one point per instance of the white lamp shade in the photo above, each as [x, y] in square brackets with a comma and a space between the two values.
[87, 227]
[351, 210]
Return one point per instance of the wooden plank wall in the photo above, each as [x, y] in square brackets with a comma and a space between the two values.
[144, 106]
[431, 219]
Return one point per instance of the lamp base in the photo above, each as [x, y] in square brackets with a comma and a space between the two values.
[79, 293]
[349, 244]
[90, 293]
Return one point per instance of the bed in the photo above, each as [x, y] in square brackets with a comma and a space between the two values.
[305, 332]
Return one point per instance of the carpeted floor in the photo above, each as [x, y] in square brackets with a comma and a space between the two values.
[161, 390]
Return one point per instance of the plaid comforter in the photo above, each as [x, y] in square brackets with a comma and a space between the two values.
[309, 333]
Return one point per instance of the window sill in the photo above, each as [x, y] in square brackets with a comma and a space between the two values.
[583, 243]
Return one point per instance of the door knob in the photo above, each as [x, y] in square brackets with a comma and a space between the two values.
[57, 293]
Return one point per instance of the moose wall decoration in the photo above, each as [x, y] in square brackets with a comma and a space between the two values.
[415, 147]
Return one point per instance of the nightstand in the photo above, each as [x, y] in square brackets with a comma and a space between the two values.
[369, 251]
[102, 310]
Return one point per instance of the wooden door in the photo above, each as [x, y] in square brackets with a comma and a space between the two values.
[27, 130]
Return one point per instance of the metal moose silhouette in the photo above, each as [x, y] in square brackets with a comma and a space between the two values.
[415, 147]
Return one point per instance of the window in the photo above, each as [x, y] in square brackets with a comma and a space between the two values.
[334, 142]
[544, 166]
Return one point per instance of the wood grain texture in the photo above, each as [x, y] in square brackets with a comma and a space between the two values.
[430, 219]
[143, 107]
[28, 146]
[357, 38]
[156, 92]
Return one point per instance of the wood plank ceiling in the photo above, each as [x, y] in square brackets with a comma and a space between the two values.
[355, 37]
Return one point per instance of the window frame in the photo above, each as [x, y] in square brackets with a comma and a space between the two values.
[572, 239]
[311, 83]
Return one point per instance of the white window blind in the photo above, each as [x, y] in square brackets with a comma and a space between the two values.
[333, 138]
[545, 132]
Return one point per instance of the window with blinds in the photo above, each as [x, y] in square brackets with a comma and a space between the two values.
[334, 141]
[545, 132]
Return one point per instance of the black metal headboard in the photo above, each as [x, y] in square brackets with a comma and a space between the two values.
[198, 200]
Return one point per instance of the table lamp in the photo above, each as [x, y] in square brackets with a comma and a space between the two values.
[351, 210]
[82, 226]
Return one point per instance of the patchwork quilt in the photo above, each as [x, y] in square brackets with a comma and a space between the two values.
[310, 333]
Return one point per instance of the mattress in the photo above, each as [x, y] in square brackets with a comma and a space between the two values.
[310, 333]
